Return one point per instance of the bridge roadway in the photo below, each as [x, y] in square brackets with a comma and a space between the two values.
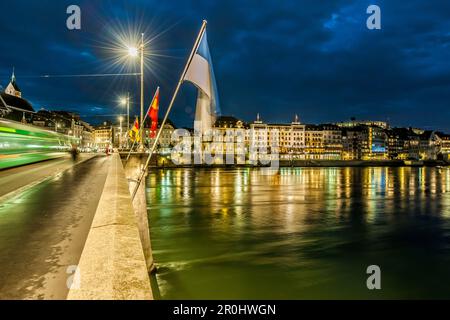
[43, 228]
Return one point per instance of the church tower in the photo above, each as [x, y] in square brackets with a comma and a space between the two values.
[12, 88]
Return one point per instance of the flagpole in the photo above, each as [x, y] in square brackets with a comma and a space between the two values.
[180, 82]
[142, 84]
[141, 129]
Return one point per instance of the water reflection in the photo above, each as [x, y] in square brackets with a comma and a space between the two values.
[303, 233]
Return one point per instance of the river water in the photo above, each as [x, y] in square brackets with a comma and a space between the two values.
[304, 233]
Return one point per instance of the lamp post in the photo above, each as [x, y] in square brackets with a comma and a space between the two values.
[134, 52]
[142, 89]
[120, 136]
[126, 101]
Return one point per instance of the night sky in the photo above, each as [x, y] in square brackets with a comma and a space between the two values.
[279, 58]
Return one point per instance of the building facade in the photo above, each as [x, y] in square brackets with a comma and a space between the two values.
[165, 139]
[364, 142]
[292, 141]
[103, 136]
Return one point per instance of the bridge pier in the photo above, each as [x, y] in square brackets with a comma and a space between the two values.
[133, 169]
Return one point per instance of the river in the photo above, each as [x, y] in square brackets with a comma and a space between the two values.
[303, 233]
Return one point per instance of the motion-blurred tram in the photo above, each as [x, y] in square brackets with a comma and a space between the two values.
[22, 144]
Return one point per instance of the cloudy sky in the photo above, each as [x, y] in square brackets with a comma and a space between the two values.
[313, 58]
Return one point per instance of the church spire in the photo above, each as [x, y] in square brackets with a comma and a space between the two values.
[258, 118]
[12, 88]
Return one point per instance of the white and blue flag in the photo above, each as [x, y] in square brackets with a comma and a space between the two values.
[201, 74]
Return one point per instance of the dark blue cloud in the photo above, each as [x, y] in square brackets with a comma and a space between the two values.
[313, 58]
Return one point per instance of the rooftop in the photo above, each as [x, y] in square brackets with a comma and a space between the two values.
[16, 103]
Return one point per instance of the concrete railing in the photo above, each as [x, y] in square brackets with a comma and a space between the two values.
[112, 265]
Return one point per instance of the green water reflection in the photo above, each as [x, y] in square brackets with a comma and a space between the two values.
[303, 233]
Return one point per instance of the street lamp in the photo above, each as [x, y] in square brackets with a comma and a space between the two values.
[134, 52]
[120, 136]
[126, 102]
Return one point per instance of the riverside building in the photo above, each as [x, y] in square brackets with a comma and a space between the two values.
[291, 141]
[353, 140]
